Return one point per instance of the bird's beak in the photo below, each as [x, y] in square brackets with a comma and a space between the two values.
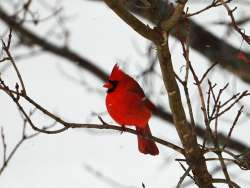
[107, 85]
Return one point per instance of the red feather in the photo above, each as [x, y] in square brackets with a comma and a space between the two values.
[128, 105]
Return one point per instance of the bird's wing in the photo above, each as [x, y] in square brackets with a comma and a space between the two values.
[139, 92]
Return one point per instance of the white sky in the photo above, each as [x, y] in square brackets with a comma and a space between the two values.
[55, 161]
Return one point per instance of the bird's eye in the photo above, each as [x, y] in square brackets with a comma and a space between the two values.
[114, 85]
[113, 82]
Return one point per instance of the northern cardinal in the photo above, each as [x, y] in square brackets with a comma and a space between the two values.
[128, 105]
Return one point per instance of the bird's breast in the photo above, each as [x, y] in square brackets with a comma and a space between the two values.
[127, 108]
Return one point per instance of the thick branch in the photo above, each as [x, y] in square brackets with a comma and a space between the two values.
[194, 155]
[169, 24]
[67, 125]
[131, 20]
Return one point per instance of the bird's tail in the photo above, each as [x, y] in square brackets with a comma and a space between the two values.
[146, 146]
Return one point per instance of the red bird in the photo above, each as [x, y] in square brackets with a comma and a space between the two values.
[128, 105]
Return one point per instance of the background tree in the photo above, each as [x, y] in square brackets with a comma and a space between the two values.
[205, 147]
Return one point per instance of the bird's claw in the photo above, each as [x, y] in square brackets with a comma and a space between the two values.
[123, 128]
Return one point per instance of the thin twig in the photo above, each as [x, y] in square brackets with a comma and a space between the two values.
[218, 180]
[215, 3]
[6, 49]
[234, 23]
[232, 127]
[182, 178]
[4, 145]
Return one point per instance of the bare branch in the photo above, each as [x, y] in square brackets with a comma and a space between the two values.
[230, 13]
[6, 49]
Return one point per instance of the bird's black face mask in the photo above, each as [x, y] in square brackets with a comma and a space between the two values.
[111, 85]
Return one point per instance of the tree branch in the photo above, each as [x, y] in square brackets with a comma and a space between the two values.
[212, 47]
[195, 42]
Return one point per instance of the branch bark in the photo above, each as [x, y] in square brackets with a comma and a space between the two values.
[193, 152]
[215, 49]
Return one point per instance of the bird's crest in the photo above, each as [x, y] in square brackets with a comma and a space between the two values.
[117, 73]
